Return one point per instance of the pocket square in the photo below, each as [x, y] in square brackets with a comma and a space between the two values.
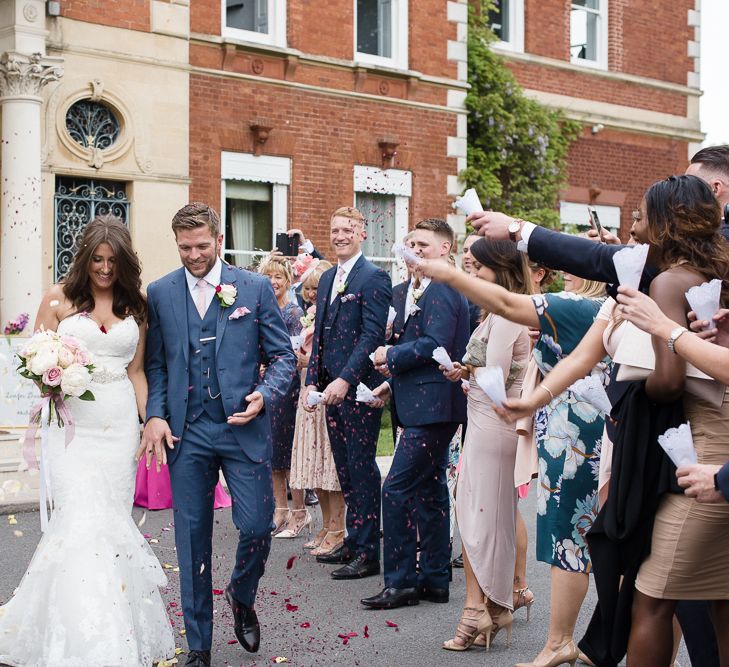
[238, 312]
[348, 297]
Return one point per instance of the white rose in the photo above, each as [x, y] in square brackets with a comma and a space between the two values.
[65, 357]
[75, 380]
[44, 359]
[227, 294]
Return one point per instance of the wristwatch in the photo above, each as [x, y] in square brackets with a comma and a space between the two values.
[674, 336]
[514, 227]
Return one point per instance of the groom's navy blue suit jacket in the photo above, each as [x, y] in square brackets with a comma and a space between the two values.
[350, 328]
[242, 345]
[421, 393]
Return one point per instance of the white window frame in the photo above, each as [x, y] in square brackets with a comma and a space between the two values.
[515, 27]
[392, 182]
[276, 35]
[601, 34]
[269, 169]
[399, 31]
[575, 213]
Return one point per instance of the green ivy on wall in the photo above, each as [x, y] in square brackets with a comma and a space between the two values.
[516, 147]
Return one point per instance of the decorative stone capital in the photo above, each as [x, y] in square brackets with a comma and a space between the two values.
[23, 75]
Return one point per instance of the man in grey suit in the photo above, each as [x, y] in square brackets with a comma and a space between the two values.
[211, 328]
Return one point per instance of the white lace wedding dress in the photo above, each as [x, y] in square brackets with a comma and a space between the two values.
[90, 595]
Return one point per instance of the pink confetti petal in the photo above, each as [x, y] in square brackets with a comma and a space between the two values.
[290, 562]
[390, 624]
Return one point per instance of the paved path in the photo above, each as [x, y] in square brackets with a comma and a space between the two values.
[303, 611]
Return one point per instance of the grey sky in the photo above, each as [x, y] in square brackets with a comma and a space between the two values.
[714, 59]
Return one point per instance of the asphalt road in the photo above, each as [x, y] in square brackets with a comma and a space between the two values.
[304, 613]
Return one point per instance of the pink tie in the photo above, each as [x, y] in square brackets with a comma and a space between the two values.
[338, 282]
[200, 297]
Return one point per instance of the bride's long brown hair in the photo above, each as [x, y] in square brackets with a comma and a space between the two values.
[128, 298]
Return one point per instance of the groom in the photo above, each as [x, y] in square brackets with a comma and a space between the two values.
[211, 327]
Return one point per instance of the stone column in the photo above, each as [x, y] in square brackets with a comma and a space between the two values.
[22, 77]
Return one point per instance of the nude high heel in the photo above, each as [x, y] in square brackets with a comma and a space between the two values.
[470, 627]
[523, 597]
[327, 547]
[565, 655]
[290, 533]
[282, 525]
[503, 621]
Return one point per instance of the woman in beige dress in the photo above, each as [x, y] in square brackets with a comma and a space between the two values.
[312, 463]
[487, 498]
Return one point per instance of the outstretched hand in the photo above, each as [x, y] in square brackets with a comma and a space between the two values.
[491, 224]
[718, 334]
[642, 311]
[436, 269]
[255, 405]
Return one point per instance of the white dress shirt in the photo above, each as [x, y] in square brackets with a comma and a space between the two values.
[410, 300]
[212, 279]
[526, 231]
[347, 266]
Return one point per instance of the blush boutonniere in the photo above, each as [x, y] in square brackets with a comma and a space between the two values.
[226, 294]
[238, 313]
[308, 319]
[417, 293]
[341, 288]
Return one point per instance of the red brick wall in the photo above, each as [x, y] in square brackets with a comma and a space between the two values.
[131, 14]
[622, 166]
[547, 28]
[325, 135]
[205, 17]
[430, 31]
[588, 86]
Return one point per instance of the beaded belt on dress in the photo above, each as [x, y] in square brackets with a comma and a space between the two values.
[106, 376]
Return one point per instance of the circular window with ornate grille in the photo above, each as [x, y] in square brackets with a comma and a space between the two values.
[92, 125]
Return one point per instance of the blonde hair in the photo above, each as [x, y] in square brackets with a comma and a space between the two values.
[312, 280]
[348, 212]
[592, 289]
[277, 265]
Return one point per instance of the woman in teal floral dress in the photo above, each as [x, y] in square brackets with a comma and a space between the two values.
[568, 433]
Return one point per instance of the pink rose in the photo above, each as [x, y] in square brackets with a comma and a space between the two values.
[82, 357]
[52, 377]
[70, 342]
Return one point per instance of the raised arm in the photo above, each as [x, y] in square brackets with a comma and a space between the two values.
[575, 366]
[707, 356]
[517, 308]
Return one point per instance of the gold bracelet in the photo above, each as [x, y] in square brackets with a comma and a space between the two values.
[547, 389]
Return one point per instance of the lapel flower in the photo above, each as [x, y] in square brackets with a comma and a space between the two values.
[238, 313]
[414, 308]
[341, 288]
[417, 293]
[226, 294]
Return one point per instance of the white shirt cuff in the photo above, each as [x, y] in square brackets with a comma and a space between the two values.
[526, 231]
[308, 247]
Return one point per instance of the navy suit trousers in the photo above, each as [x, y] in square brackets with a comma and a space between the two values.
[415, 503]
[353, 432]
[205, 447]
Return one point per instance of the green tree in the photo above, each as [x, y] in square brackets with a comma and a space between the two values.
[516, 146]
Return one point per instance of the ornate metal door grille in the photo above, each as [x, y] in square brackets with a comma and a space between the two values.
[77, 201]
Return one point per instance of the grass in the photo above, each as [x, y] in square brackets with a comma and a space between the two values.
[385, 444]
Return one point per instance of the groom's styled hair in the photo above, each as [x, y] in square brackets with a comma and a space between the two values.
[194, 215]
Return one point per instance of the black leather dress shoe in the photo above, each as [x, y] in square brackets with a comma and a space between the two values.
[198, 659]
[390, 598]
[432, 594]
[247, 629]
[359, 568]
[339, 556]
[457, 561]
[310, 498]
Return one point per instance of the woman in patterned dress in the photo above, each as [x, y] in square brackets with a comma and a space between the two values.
[568, 432]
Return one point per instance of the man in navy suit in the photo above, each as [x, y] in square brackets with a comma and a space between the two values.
[351, 314]
[211, 327]
[415, 494]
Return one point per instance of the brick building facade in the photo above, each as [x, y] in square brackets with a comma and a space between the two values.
[279, 111]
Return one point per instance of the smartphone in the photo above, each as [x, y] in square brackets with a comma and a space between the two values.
[282, 243]
[293, 245]
[595, 222]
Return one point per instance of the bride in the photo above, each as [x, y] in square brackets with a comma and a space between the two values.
[91, 593]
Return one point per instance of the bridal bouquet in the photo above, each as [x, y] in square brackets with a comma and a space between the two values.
[61, 366]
